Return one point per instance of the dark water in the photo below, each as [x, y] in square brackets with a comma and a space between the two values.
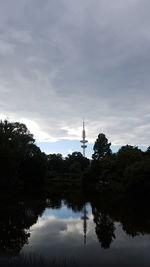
[90, 233]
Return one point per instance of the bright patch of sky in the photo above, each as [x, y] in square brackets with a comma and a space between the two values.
[66, 147]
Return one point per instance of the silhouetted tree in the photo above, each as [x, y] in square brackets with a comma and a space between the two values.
[33, 168]
[55, 162]
[147, 152]
[137, 179]
[19, 156]
[77, 157]
[101, 147]
[126, 156]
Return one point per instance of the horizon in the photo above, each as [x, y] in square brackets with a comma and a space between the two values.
[66, 147]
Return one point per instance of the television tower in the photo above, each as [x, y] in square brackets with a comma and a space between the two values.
[83, 141]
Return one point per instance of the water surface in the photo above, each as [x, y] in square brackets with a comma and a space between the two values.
[89, 238]
[90, 233]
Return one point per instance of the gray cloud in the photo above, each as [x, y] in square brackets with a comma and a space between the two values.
[64, 60]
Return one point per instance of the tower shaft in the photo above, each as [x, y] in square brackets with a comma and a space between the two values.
[83, 141]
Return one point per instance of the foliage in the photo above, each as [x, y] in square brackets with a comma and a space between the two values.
[75, 168]
[147, 152]
[101, 147]
[137, 178]
[127, 171]
[78, 158]
[20, 159]
[127, 155]
[33, 168]
[55, 162]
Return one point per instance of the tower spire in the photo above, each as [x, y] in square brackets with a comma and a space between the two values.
[83, 141]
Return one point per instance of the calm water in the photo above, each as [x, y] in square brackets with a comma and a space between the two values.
[89, 234]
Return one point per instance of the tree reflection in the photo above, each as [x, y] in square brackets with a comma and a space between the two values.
[16, 217]
[53, 203]
[75, 206]
[106, 210]
[104, 227]
[135, 221]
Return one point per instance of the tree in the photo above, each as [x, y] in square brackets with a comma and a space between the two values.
[15, 140]
[147, 152]
[55, 163]
[33, 168]
[77, 157]
[17, 150]
[136, 179]
[75, 168]
[128, 155]
[101, 147]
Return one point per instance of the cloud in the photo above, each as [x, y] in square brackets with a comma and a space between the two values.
[6, 48]
[62, 61]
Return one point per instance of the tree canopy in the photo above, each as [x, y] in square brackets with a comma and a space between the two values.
[101, 147]
[20, 159]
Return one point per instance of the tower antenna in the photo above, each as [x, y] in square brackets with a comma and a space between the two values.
[83, 141]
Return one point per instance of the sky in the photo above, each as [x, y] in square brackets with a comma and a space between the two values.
[62, 61]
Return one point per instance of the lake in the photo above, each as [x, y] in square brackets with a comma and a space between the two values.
[81, 232]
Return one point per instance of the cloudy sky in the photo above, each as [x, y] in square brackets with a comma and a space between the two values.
[65, 60]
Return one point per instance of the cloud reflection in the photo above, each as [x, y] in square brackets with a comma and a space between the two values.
[56, 237]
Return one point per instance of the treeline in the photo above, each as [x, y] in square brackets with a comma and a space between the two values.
[24, 166]
[127, 171]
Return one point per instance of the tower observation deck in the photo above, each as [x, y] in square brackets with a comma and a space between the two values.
[83, 141]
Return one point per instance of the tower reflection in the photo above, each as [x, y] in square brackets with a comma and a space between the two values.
[84, 218]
